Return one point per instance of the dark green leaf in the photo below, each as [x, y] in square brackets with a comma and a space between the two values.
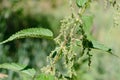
[32, 33]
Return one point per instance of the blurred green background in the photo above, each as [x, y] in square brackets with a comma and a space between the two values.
[16, 15]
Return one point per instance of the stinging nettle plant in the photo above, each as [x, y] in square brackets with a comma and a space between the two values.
[73, 42]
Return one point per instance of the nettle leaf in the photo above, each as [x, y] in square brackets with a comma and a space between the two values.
[44, 77]
[81, 3]
[88, 21]
[99, 46]
[12, 66]
[87, 25]
[32, 33]
[25, 74]
[29, 73]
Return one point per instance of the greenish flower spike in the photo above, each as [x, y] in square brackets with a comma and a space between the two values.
[32, 33]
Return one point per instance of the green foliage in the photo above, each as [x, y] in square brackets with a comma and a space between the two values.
[44, 77]
[74, 35]
[33, 32]
[81, 3]
[12, 66]
[30, 73]
[25, 74]
[87, 22]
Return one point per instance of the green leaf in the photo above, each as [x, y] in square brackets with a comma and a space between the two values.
[87, 23]
[25, 74]
[92, 43]
[81, 3]
[98, 45]
[29, 72]
[32, 33]
[12, 66]
[44, 77]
